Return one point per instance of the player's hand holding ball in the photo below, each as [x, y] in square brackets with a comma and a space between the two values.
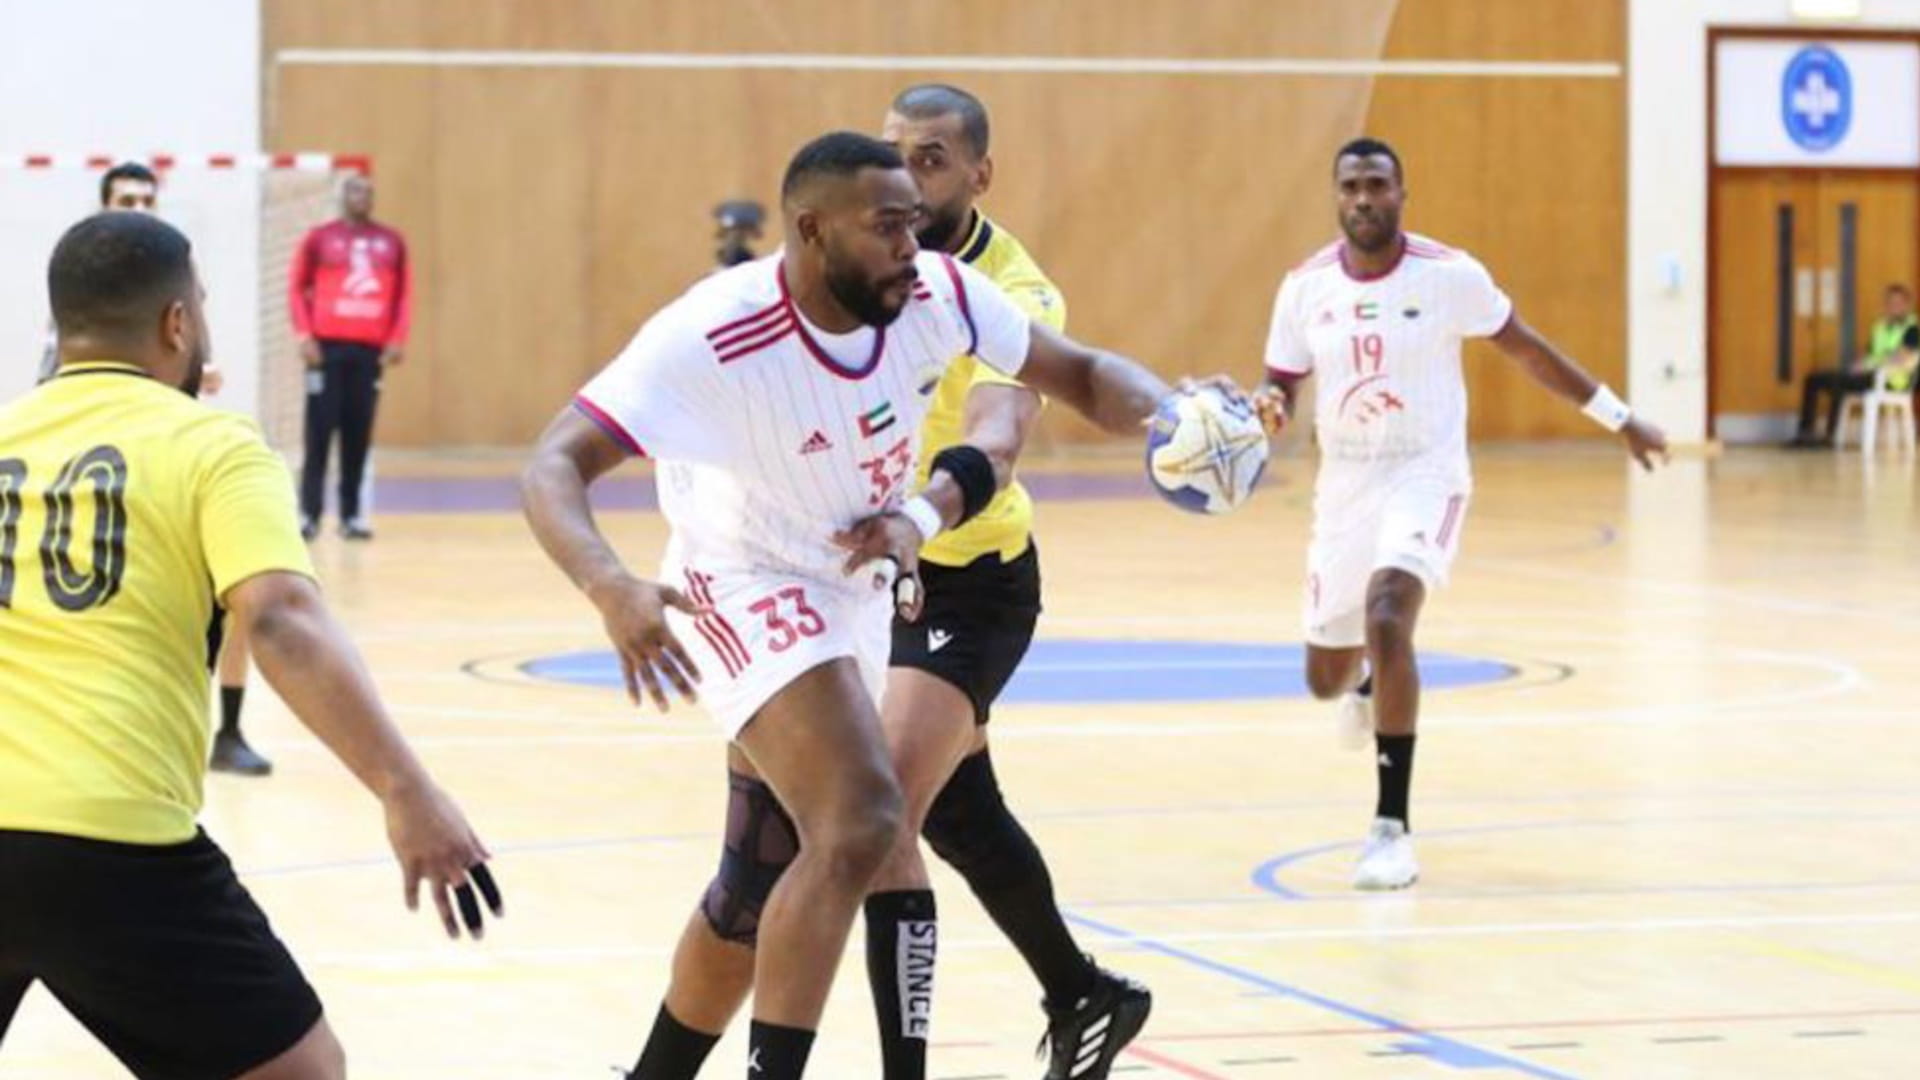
[1271, 406]
[635, 613]
[1206, 447]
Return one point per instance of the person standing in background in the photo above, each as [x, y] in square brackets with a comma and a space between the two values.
[350, 293]
[127, 186]
[736, 226]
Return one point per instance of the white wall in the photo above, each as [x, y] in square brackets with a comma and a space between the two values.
[1667, 191]
[129, 78]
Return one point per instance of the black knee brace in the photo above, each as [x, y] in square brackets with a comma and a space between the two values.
[971, 828]
[761, 843]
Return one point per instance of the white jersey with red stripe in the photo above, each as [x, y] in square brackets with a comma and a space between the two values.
[1386, 350]
[771, 435]
[1391, 416]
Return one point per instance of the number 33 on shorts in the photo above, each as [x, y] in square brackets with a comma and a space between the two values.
[762, 631]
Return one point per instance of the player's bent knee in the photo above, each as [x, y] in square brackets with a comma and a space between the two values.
[761, 842]
[1326, 683]
[857, 841]
[1331, 673]
[1389, 623]
[972, 829]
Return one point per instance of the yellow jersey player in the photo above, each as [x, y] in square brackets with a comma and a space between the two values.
[982, 598]
[127, 511]
[133, 187]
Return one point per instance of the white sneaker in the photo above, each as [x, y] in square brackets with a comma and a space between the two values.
[1387, 861]
[1356, 720]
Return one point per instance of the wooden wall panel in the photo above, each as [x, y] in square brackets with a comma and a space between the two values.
[1015, 27]
[1530, 176]
[1559, 30]
[551, 211]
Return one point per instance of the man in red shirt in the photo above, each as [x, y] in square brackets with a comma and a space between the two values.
[351, 295]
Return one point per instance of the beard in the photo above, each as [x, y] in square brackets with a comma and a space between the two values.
[196, 372]
[862, 299]
[943, 229]
[1386, 231]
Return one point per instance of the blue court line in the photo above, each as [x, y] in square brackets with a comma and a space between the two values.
[1428, 895]
[1438, 1048]
[1266, 876]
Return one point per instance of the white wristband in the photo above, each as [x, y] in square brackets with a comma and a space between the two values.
[1606, 409]
[924, 515]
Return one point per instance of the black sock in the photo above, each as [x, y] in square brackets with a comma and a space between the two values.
[902, 941]
[674, 1051]
[1396, 775]
[230, 698]
[1009, 876]
[777, 1053]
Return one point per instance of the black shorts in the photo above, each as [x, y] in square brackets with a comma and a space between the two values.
[158, 951]
[977, 625]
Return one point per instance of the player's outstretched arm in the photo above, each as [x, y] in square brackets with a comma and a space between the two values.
[1114, 392]
[1557, 372]
[999, 420]
[572, 453]
[308, 660]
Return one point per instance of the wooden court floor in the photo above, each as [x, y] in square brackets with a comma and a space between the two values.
[1676, 842]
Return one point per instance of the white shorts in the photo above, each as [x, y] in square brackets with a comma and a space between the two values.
[766, 630]
[1407, 522]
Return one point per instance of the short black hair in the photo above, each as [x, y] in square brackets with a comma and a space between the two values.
[126, 170]
[1896, 287]
[838, 154]
[928, 100]
[1369, 147]
[113, 273]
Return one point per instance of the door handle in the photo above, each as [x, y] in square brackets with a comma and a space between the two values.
[1829, 292]
[1803, 300]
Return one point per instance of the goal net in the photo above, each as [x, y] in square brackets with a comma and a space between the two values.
[245, 213]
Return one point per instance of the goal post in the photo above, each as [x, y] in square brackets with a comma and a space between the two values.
[245, 213]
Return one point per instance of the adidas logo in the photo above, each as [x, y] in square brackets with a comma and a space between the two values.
[1091, 1045]
[816, 443]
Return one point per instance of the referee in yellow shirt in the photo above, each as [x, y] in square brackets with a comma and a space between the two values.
[982, 582]
[126, 510]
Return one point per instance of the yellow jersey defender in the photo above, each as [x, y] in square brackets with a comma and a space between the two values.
[1005, 526]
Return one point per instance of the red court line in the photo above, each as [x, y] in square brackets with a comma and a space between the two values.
[1637, 1021]
[1171, 1065]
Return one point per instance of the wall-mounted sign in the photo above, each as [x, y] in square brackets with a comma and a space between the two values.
[1812, 103]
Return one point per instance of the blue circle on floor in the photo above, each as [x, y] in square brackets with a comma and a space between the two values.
[1081, 671]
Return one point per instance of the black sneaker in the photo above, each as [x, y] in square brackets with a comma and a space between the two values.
[309, 529]
[1083, 1039]
[231, 754]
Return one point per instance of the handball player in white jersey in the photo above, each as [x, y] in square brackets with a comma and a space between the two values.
[783, 399]
[1379, 318]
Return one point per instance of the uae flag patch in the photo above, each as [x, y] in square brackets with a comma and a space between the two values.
[878, 420]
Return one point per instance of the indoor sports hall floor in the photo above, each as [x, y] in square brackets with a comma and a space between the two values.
[1665, 803]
